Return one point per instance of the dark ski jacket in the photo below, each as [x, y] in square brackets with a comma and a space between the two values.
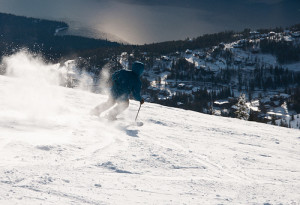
[125, 82]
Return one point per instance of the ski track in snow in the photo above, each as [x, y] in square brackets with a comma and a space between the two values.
[65, 156]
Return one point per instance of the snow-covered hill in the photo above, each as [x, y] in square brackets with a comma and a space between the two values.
[53, 152]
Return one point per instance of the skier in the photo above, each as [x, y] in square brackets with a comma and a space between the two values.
[124, 83]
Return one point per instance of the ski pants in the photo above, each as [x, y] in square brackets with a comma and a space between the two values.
[121, 106]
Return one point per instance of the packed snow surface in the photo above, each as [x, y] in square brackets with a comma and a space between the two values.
[53, 152]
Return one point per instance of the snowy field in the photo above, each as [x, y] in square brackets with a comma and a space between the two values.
[53, 152]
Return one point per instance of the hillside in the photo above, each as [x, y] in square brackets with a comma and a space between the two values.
[262, 65]
[43, 36]
[53, 152]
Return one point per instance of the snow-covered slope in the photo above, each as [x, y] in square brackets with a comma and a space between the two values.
[53, 152]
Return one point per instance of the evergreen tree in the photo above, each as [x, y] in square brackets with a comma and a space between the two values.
[273, 122]
[242, 111]
[284, 106]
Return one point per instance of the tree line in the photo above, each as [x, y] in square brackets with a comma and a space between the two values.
[37, 35]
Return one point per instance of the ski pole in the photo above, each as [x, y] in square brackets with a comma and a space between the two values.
[138, 112]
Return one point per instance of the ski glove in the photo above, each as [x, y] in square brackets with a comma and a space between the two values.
[142, 101]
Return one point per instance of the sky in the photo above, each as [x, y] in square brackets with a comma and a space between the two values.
[148, 21]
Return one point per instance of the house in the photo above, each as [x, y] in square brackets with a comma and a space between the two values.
[165, 58]
[124, 54]
[181, 86]
[199, 55]
[254, 34]
[221, 104]
[179, 104]
[288, 38]
[272, 33]
[188, 51]
[222, 45]
[236, 45]
[176, 54]
[202, 67]
[240, 43]
[296, 34]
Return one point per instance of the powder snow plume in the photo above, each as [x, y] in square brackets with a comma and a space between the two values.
[38, 107]
[36, 93]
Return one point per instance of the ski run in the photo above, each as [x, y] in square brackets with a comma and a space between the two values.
[53, 152]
